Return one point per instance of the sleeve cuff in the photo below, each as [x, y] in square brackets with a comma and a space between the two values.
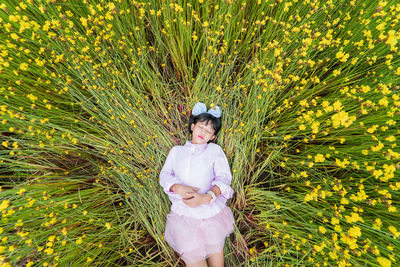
[226, 190]
[168, 186]
[171, 194]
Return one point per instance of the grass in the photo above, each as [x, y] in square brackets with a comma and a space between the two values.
[95, 93]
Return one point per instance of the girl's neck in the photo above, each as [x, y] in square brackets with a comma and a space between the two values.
[191, 142]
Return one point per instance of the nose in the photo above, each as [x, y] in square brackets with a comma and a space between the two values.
[203, 132]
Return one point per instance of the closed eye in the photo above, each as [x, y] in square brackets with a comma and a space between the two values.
[209, 132]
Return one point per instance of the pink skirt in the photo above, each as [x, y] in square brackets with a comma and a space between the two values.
[197, 239]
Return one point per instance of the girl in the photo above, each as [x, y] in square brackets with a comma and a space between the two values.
[197, 177]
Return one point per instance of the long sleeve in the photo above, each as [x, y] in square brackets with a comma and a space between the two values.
[167, 175]
[222, 174]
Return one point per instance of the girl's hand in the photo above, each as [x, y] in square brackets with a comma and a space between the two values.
[185, 191]
[197, 200]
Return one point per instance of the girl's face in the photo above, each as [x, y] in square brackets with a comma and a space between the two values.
[202, 132]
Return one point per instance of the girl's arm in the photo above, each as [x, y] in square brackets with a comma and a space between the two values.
[199, 199]
[167, 175]
[223, 176]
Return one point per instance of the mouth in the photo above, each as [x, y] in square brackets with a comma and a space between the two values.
[201, 137]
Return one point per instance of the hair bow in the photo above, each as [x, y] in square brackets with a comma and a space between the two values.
[200, 107]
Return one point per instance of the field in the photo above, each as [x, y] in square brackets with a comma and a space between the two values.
[93, 95]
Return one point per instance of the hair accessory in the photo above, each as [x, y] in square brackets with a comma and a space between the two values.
[200, 107]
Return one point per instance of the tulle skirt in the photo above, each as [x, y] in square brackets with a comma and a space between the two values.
[197, 239]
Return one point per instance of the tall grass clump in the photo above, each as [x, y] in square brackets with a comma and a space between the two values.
[93, 94]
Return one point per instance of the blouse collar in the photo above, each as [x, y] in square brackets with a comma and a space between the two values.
[189, 144]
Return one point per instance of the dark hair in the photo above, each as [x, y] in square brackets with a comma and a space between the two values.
[215, 122]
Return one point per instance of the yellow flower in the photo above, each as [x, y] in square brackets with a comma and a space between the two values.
[355, 231]
[39, 62]
[194, 36]
[322, 229]
[286, 137]
[108, 225]
[383, 102]
[355, 217]
[338, 228]
[286, 9]
[390, 138]
[21, 191]
[394, 231]
[342, 56]
[352, 242]
[377, 225]
[333, 255]
[32, 97]
[49, 251]
[384, 262]
[19, 223]
[381, 26]
[372, 128]
[5, 143]
[14, 36]
[318, 248]
[23, 66]
[342, 119]
[392, 209]
[22, 5]
[334, 221]
[344, 201]
[4, 204]
[336, 72]
[319, 158]
[304, 174]
[108, 16]
[252, 250]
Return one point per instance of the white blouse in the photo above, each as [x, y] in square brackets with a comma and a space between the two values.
[198, 165]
